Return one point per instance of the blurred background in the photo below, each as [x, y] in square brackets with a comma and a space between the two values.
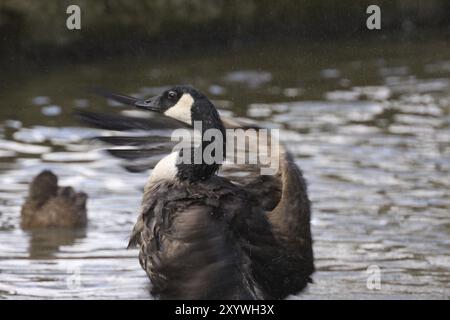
[366, 114]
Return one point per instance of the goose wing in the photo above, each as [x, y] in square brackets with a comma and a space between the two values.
[142, 142]
[139, 142]
[210, 241]
[282, 194]
[187, 248]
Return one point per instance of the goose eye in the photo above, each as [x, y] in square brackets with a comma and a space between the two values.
[172, 95]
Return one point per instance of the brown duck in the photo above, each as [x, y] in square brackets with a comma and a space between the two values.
[49, 205]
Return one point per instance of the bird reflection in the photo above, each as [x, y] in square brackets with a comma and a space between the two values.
[46, 243]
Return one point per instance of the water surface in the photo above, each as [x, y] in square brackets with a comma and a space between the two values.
[368, 124]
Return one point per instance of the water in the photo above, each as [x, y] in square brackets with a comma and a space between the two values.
[368, 124]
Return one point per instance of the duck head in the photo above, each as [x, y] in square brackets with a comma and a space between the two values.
[185, 104]
[189, 106]
[43, 187]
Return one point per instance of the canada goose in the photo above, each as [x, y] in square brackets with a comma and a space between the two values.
[205, 236]
[48, 205]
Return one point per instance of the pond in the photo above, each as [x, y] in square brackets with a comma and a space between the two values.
[368, 123]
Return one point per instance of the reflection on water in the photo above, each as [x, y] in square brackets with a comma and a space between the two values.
[369, 126]
[44, 244]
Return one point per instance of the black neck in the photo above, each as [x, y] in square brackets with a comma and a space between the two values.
[195, 170]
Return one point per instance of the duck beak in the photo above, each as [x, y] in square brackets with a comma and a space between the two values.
[150, 104]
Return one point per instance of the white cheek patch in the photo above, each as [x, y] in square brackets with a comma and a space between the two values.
[182, 110]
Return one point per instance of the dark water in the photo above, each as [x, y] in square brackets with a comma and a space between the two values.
[368, 124]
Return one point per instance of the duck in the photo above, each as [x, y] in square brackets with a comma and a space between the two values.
[49, 205]
[203, 231]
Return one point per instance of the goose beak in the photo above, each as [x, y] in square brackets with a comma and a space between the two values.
[150, 104]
